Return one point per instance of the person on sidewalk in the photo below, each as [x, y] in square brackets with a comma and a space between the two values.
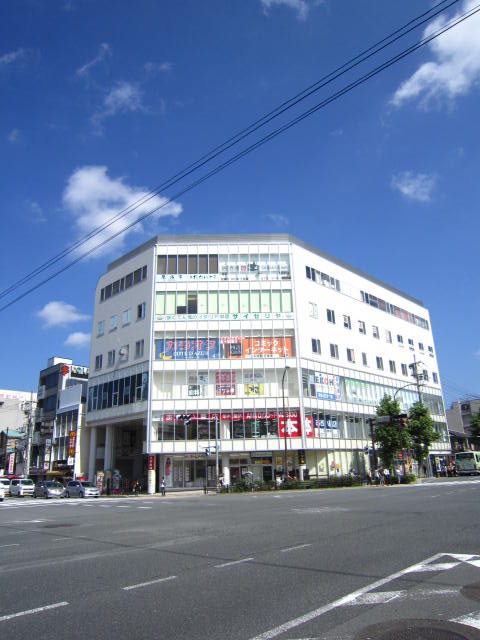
[163, 489]
[386, 476]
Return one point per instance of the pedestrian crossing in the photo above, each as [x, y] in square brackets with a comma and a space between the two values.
[105, 503]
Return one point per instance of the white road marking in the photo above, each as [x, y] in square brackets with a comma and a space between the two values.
[144, 507]
[345, 600]
[383, 597]
[441, 566]
[31, 611]
[15, 544]
[471, 619]
[147, 584]
[299, 546]
[229, 564]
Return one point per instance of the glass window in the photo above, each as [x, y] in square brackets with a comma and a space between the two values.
[331, 316]
[347, 323]
[393, 369]
[265, 301]
[202, 302]
[316, 347]
[375, 332]
[334, 351]
[160, 304]
[170, 304]
[223, 302]
[435, 377]
[116, 287]
[212, 302]
[276, 301]
[113, 323]
[192, 264]
[388, 336]
[364, 360]
[123, 353]
[192, 306]
[286, 301]
[203, 264]
[400, 339]
[379, 363]
[126, 317]
[98, 362]
[244, 302]
[312, 310]
[361, 327]
[181, 303]
[101, 328]
[137, 276]
[234, 302]
[171, 264]
[350, 355]
[254, 301]
[108, 291]
[128, 280]
[111, 358]
[420, 346]
[404, 370]
[213, 264]
[182, 264]
[141, 308]
[161, 265]
[139, 347]
[308, 273]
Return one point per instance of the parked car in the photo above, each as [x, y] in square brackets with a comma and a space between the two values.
[2, 493]
[82, 489]
[5, 483]
[21, 487]
[49, 489]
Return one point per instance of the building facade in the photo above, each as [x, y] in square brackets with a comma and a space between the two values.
[243, 355]
[459, 418]
[16, 409]
[55, 438]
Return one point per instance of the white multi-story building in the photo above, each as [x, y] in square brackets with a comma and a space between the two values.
[213, 344]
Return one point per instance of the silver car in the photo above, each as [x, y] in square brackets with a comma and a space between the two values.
[82, 489]
[49, 489]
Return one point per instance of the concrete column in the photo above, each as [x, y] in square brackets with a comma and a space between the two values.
[92, 454]
[226, 470]
[108, 460]
[152, 478]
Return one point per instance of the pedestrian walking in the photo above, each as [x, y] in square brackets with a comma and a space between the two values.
[162, 487]
[386, 476]
[369, 477]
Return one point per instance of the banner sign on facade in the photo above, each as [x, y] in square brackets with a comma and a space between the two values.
[189, 349]
[327, 387]
[293, 426]
[151, 463]
[321, 427]
[225, 383]
[11, 463]
[261, 348]
[71, 444]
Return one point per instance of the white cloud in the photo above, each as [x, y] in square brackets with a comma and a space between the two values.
[123, 98]
[77, 339]
[92, 199]
[104, 52]
[60, 314]
[417, 187]
[154, 68]
[454, 69]
[14, 56]
[278, 220]
[302, 7]
[14, 136]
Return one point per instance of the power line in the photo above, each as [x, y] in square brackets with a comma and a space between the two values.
[415, 23]
[260, 143]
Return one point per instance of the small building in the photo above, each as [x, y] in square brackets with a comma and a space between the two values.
[459, 418]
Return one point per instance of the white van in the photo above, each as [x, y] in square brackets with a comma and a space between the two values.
[5, 483]
[21, 487]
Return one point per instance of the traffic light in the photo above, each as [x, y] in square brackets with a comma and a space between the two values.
[207, 451]
[185, 418]
[365, 450]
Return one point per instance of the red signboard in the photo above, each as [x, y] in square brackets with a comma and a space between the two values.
[225, 383]
[71, 444]
[294, 427]
[151, 463]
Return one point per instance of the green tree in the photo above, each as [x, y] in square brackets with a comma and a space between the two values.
[475, 425]
[422, 433]
[390, 436]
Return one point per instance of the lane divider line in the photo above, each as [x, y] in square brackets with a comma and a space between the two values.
[147, 584]
[10, 616]
[299, 546]
[229, 564]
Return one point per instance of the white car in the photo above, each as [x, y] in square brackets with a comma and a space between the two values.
[5, 483]
[2, 493]
[82, 489]
[21, 487]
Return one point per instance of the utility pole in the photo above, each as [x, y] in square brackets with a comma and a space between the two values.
[28, 412]
[374, 456]
[414, 367]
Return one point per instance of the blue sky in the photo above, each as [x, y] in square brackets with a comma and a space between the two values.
[103, 101]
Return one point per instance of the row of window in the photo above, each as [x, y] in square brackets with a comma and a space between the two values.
[127, 390]
[347, 323]
[123, 283]
[334, 353]
[224, 267]
[378, 303]
[212, 302]
[123, 355]
[322, 278]
[126, 319]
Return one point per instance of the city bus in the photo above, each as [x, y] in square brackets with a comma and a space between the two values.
[467, 462]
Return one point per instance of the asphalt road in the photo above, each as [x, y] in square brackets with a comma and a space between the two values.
[332, 564]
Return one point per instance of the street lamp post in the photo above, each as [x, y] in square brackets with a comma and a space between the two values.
[285, 468]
